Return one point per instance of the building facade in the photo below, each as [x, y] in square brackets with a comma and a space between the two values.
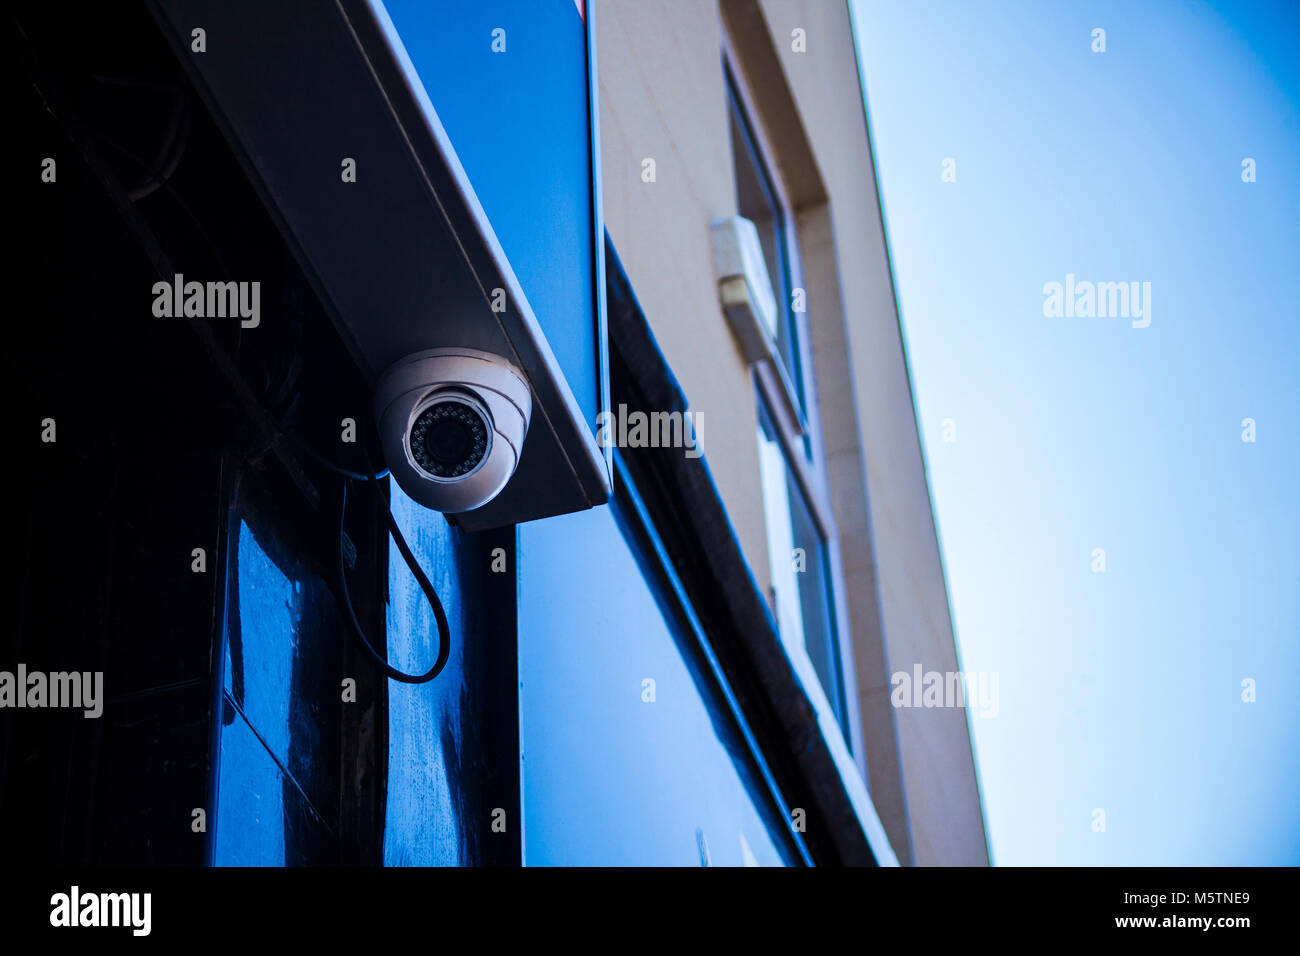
[669, 639]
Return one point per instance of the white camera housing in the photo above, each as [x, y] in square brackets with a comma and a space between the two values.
[452, 422]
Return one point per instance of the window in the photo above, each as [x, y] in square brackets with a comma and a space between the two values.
[802, 596]
[801, 536]
[759, 199]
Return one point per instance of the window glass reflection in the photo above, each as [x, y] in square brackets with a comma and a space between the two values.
[800, 572]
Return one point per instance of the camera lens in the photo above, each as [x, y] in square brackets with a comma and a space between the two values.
[449, 439]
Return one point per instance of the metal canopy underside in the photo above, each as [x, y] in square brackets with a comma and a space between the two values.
[403, 258]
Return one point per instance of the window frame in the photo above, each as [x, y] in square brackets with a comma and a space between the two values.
[837, 695]
[791, 388]
[795, 416]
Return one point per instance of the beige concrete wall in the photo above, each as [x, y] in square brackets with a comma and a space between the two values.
[663, 97]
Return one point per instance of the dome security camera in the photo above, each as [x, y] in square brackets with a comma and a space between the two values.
[452, 422]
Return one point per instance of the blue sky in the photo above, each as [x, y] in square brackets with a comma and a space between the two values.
[1119, 690]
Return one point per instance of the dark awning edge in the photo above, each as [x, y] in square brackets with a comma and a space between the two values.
[697, 534]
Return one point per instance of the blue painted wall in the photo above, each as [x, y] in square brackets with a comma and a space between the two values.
[452, 743]
[278, 775]
[520, 124]
[610, 778]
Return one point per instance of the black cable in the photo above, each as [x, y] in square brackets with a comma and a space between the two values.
[333, 466]
[161, 170]
[444, 632]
